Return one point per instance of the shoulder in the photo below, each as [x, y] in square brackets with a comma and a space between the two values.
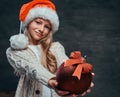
[11, 50]
[58, 51]
[14, 52]
[56, 45]
[25, 55]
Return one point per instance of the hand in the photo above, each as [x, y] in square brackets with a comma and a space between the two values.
[89, 89]
[65, 93]
[53, 83]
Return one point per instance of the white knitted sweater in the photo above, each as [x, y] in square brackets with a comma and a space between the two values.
[32, 73]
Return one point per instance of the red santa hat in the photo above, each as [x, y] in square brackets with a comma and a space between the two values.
[39, 8]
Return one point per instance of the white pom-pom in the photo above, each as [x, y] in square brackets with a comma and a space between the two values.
[19, 41]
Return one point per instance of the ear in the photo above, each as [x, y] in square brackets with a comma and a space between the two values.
[19, 41]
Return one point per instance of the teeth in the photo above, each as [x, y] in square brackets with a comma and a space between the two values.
[36, 31]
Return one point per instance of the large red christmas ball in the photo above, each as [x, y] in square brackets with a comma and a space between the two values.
[67, 82]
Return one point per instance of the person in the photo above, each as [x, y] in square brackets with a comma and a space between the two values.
[33, 54]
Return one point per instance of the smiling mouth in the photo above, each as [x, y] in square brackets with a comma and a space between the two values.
[38, 34]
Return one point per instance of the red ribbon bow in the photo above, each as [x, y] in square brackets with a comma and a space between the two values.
[82, 67]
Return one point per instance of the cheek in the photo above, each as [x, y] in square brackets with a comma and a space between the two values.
[29, 28]
[30, 31]
[46, 33]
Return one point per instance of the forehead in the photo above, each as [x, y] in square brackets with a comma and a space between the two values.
[43, 20]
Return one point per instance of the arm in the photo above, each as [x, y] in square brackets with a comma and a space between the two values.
[26, 67]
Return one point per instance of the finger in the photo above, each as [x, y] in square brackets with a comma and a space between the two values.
[91, 85]
[83, 94]
[88, 91]
[93, 74]
[52, 83]
[59, 92]
[73, 95]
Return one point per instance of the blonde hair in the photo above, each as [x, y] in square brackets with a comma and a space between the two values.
[48, 59]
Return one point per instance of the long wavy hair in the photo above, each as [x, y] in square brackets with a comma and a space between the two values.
[48, 59]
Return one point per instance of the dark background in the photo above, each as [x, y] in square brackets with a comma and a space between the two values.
[91, 26]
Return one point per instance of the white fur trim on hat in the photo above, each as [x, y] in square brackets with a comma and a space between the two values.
[45, 13]
[19, 41]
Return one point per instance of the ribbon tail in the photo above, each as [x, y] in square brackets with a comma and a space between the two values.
[78, 71]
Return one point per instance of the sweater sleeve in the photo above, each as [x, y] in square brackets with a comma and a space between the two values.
[26, 67]
[59, 52]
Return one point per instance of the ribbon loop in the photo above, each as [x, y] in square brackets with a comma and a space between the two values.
[82, 67]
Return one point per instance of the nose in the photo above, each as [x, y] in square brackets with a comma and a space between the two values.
[41, 28]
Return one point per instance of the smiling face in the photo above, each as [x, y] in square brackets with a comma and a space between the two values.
[37, 30]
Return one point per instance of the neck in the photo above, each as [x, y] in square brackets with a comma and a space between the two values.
[31, 42]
